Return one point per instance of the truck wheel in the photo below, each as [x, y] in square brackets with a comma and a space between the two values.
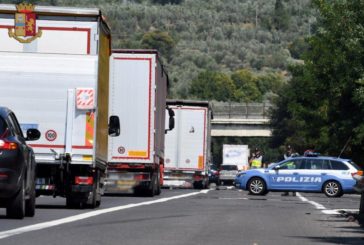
[257, 186]
[332, 188]
[197, 185]
[30, 203]
[72, 204]
[16, 207]
[152, 187]
[158, 189]
[96, 197]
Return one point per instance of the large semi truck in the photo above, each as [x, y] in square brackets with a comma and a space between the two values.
[236, 155]
[54, 66]
[137, 104]
[187, 151]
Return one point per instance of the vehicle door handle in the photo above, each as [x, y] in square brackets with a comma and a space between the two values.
[323, 173]
[295, 173]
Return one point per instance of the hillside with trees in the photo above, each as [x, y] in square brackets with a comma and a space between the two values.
[328, 113]
[241, 46]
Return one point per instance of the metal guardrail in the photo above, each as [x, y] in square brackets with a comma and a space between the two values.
[234, 110]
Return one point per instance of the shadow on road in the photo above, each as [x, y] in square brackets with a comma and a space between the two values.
[49, 206]
[348, 240]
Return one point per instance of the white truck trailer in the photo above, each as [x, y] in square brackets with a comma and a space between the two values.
[236, 155]
[187, 151]
[54, 64]
[135, 155]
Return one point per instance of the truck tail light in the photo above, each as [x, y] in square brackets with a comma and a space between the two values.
[6, 145]
[84, 180]
[141, 177]
[197, 177]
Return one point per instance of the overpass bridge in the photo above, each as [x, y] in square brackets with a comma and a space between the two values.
[241, 119]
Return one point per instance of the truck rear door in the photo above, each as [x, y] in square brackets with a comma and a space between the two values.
[132, 99]
[186, 144]
[42, 90]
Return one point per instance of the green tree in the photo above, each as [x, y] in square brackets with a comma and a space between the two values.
[213, 86]
[329, 109]
[163, 2]
[159, 40]
[281, 16]
[246, 86]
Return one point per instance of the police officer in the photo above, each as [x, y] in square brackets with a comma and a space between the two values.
[289, 154]
[256, 160]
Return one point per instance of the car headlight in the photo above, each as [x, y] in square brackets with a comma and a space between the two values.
[240, 174]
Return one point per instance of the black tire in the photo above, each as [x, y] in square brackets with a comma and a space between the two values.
[332, 188]
[96, 197]
[30, 203]
[16, 206]
[152, 187]
[158, 189]
[72, 204]
[257, 186]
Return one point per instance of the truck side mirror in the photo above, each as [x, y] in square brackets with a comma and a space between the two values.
[171, 120]
[114, 126]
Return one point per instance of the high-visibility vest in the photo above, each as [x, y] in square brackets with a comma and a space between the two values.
[291, 165]
[257, 162]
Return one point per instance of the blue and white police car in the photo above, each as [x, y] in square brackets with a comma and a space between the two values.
[330, 175]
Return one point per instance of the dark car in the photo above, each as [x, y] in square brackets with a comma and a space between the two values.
[17, 167]
[213, 174]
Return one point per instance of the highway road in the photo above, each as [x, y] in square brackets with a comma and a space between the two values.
[184, 216]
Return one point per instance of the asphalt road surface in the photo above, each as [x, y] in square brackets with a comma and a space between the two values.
[182, 216]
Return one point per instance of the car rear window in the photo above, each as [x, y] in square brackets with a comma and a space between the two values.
[229, 167]
[354, 165]
[337, 165]
[3, 127]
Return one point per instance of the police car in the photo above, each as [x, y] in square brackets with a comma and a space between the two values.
[330, 175]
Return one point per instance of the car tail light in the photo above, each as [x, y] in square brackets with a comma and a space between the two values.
[84, 180]
[6, 145]
[3, 175]
[360, 172]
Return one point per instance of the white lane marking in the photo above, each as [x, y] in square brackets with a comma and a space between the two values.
[232, 198]
[317, 205]
[323, 209]
[44, 225]
[339, 211]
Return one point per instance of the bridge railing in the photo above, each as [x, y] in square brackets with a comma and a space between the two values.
[232, 110]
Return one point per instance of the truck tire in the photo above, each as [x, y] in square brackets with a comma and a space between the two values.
[16, 206]
[198, 185]
[30, 203]
[158, 188]
[72, 204]
[96, 196]
[152, 187]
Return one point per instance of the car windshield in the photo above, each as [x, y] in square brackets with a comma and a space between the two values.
[229, 167]
[213, 167]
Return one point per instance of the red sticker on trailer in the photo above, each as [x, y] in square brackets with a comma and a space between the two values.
[51, 135]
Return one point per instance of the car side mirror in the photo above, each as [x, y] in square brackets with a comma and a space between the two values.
[32, 134]
[114, 126]
[278, 167]
[171, 120]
